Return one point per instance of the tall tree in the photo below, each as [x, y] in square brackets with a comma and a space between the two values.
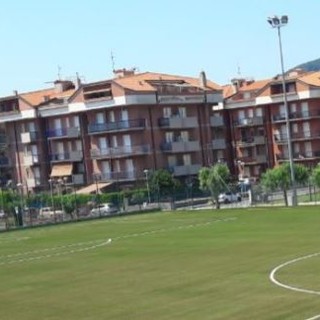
[316, 176]
[214, 180]
[162, 182]
[280, 178]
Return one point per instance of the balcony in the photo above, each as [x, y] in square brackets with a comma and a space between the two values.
[122, 151]
[178, 122]
[296, 136]
[185, 170]
[217, 121]
[4, 162]
[72, 132]
[252, 160]
[124, 125]
[304, 115]
[218, 144]
[33, 182]
[246, 142]
[180, 146]
[306, 155]
[29, 137]
[118, 176]
[72, 156]
[30, 159]
[77, 179]
[254, 121]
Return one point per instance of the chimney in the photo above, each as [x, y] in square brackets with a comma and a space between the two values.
[120, 73]
[15, 93]
[78, 81]
[46, 98]
[203, 79]
[237, 83]
[63, 85]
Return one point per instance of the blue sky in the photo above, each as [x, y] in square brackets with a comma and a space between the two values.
[178, 37]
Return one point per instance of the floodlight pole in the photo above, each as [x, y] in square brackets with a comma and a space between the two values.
[278, 22]
[146, 172]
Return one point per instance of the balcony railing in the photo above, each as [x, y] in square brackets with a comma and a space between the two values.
[30, 159]
[254, 121]
[218, 144]
[180, 146]
[4, 162]
[120, 151]
[78, 179]
[306, 155]
[299, 155]
[296, 115]
[304, 135]
[250, 141]
[118, 176]
[72, 132]
[117, 126]
[304, 114]
[33, 182]
[28, 137]
[67, 156]
[178, 122]
[261, 158]
[185, 170]
[216, 121]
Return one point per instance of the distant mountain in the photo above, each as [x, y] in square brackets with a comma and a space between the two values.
[313, 65]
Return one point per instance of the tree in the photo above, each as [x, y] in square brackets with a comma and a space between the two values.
[214, 180]
[162, 182]
[280, 178]
[316, 176]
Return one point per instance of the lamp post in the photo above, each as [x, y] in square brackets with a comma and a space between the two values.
[20, 212]
[146, 172]
[75, 199]
[51, 196]
[278, 23]
[96, 177]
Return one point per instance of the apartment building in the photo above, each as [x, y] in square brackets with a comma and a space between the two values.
[258, 121]
[110, 130]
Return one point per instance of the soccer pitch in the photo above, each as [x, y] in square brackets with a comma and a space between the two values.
[213, 264]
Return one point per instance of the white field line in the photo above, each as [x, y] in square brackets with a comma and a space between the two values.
[314, 318]
[280, 284]
[13, 239]
[55, 254]
[85, 246]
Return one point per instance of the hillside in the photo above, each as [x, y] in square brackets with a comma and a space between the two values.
[313, 65]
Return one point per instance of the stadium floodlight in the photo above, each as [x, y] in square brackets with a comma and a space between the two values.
[278, 23]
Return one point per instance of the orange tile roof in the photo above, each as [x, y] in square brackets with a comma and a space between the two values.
[139, 82]
[35, 98]
[311, 78]
[228, 91]
[255, 85]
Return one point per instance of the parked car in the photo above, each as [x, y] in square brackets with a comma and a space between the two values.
[104, 208]
[2, 214]
[48, 212]
[229, 197]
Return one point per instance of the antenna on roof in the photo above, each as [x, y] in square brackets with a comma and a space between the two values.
[238, 69]
[59, 72]
[112, 62]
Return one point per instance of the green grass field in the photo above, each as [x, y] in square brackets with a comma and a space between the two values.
[178, 265]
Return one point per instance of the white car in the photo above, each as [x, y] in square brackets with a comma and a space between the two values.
[48, 212]
[229, 197]
[104, 208]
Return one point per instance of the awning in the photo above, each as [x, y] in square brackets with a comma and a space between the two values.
[92, 188]
[61, 170]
